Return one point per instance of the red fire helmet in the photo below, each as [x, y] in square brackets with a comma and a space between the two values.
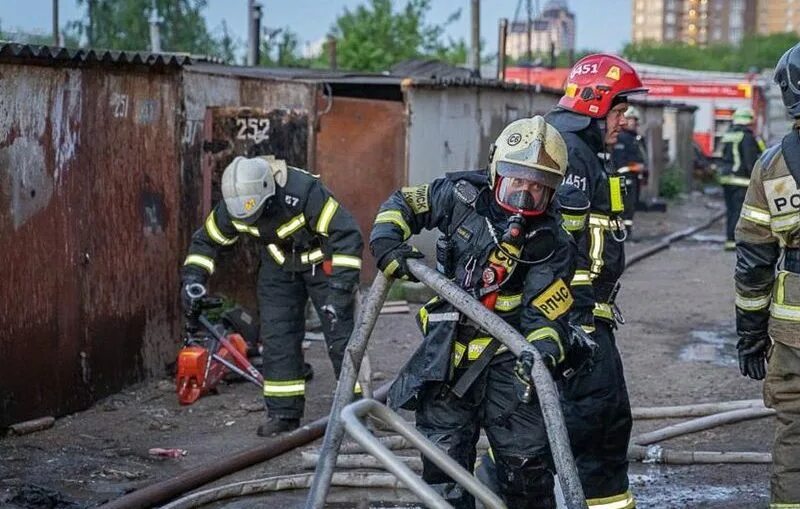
[595, 81]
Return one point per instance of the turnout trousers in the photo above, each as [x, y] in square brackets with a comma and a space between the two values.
[597, 413]
[515, 430]
[282, 298]
[734, 199]
[782, 392]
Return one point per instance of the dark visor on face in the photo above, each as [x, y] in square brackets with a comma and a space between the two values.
[512, 170]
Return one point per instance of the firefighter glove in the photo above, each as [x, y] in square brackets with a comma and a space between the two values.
[753, 356]
[392, 258]
[337, 300]
[189, 300]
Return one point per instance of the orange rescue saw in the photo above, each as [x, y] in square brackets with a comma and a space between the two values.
[208, 356]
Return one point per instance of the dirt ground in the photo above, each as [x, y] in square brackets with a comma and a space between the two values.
[678, 348]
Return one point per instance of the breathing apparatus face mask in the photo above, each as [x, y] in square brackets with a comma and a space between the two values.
[524, 190]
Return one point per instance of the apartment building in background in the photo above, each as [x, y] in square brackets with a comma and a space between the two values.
[775, 16]
[701, 22]
[553, 27]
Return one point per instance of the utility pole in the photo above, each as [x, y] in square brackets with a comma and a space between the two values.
[253, 32]
[475, 38]
[502, 35]
[90, 28]
[256, 49]
[56, 35]
[331, 47]
[529, 50]
[250, 5]
[155, 29]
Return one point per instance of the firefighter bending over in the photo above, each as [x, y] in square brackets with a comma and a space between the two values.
[503, 242]
[308, 246]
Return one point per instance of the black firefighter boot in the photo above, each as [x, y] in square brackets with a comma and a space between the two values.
[277, 426]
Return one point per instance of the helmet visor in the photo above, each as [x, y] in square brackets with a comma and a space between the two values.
[529, 195]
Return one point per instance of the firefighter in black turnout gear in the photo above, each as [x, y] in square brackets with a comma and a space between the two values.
[596, 406]
[629, 158]
[309, 246]
[502, 241]
[740, 151]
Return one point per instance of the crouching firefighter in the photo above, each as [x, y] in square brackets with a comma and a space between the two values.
[768, 291]
[308, 245]
[503, 243]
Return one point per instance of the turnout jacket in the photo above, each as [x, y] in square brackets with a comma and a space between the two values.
[534, 299]
[629, 148]
[301, 226]
[601, 258]
[740, 150]
[768, 296]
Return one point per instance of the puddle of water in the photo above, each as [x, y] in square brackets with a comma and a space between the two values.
[715, 346]
[664, 487]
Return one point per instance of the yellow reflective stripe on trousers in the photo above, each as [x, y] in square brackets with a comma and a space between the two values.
[284, 388]
[312, 257]
[213, 232]
[783, 505]
[596, 248]
[291, 226]
[752, 303]
[581, 277]
[755, 215]
[603, 310]
[351, 262]
[623, 501]
[785, 222]
[252, 230]
[508, 302]
[547, 333]
[201, 261]
[395, 217]
[326, 215]
[574, 222]
[276, 254]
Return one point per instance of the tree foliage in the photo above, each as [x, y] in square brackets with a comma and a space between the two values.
[373, 37]
[759, 51]
[123, 25]
[281, 47]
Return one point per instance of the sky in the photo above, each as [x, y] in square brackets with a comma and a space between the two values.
[606, 29]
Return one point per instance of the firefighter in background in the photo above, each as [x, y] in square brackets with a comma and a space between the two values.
[308, 245]
[596, 405]
[502, 242]
[768, 295]
[740, 151]
[629, 157]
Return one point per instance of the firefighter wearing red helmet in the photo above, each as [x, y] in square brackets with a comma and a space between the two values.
[589, 117]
